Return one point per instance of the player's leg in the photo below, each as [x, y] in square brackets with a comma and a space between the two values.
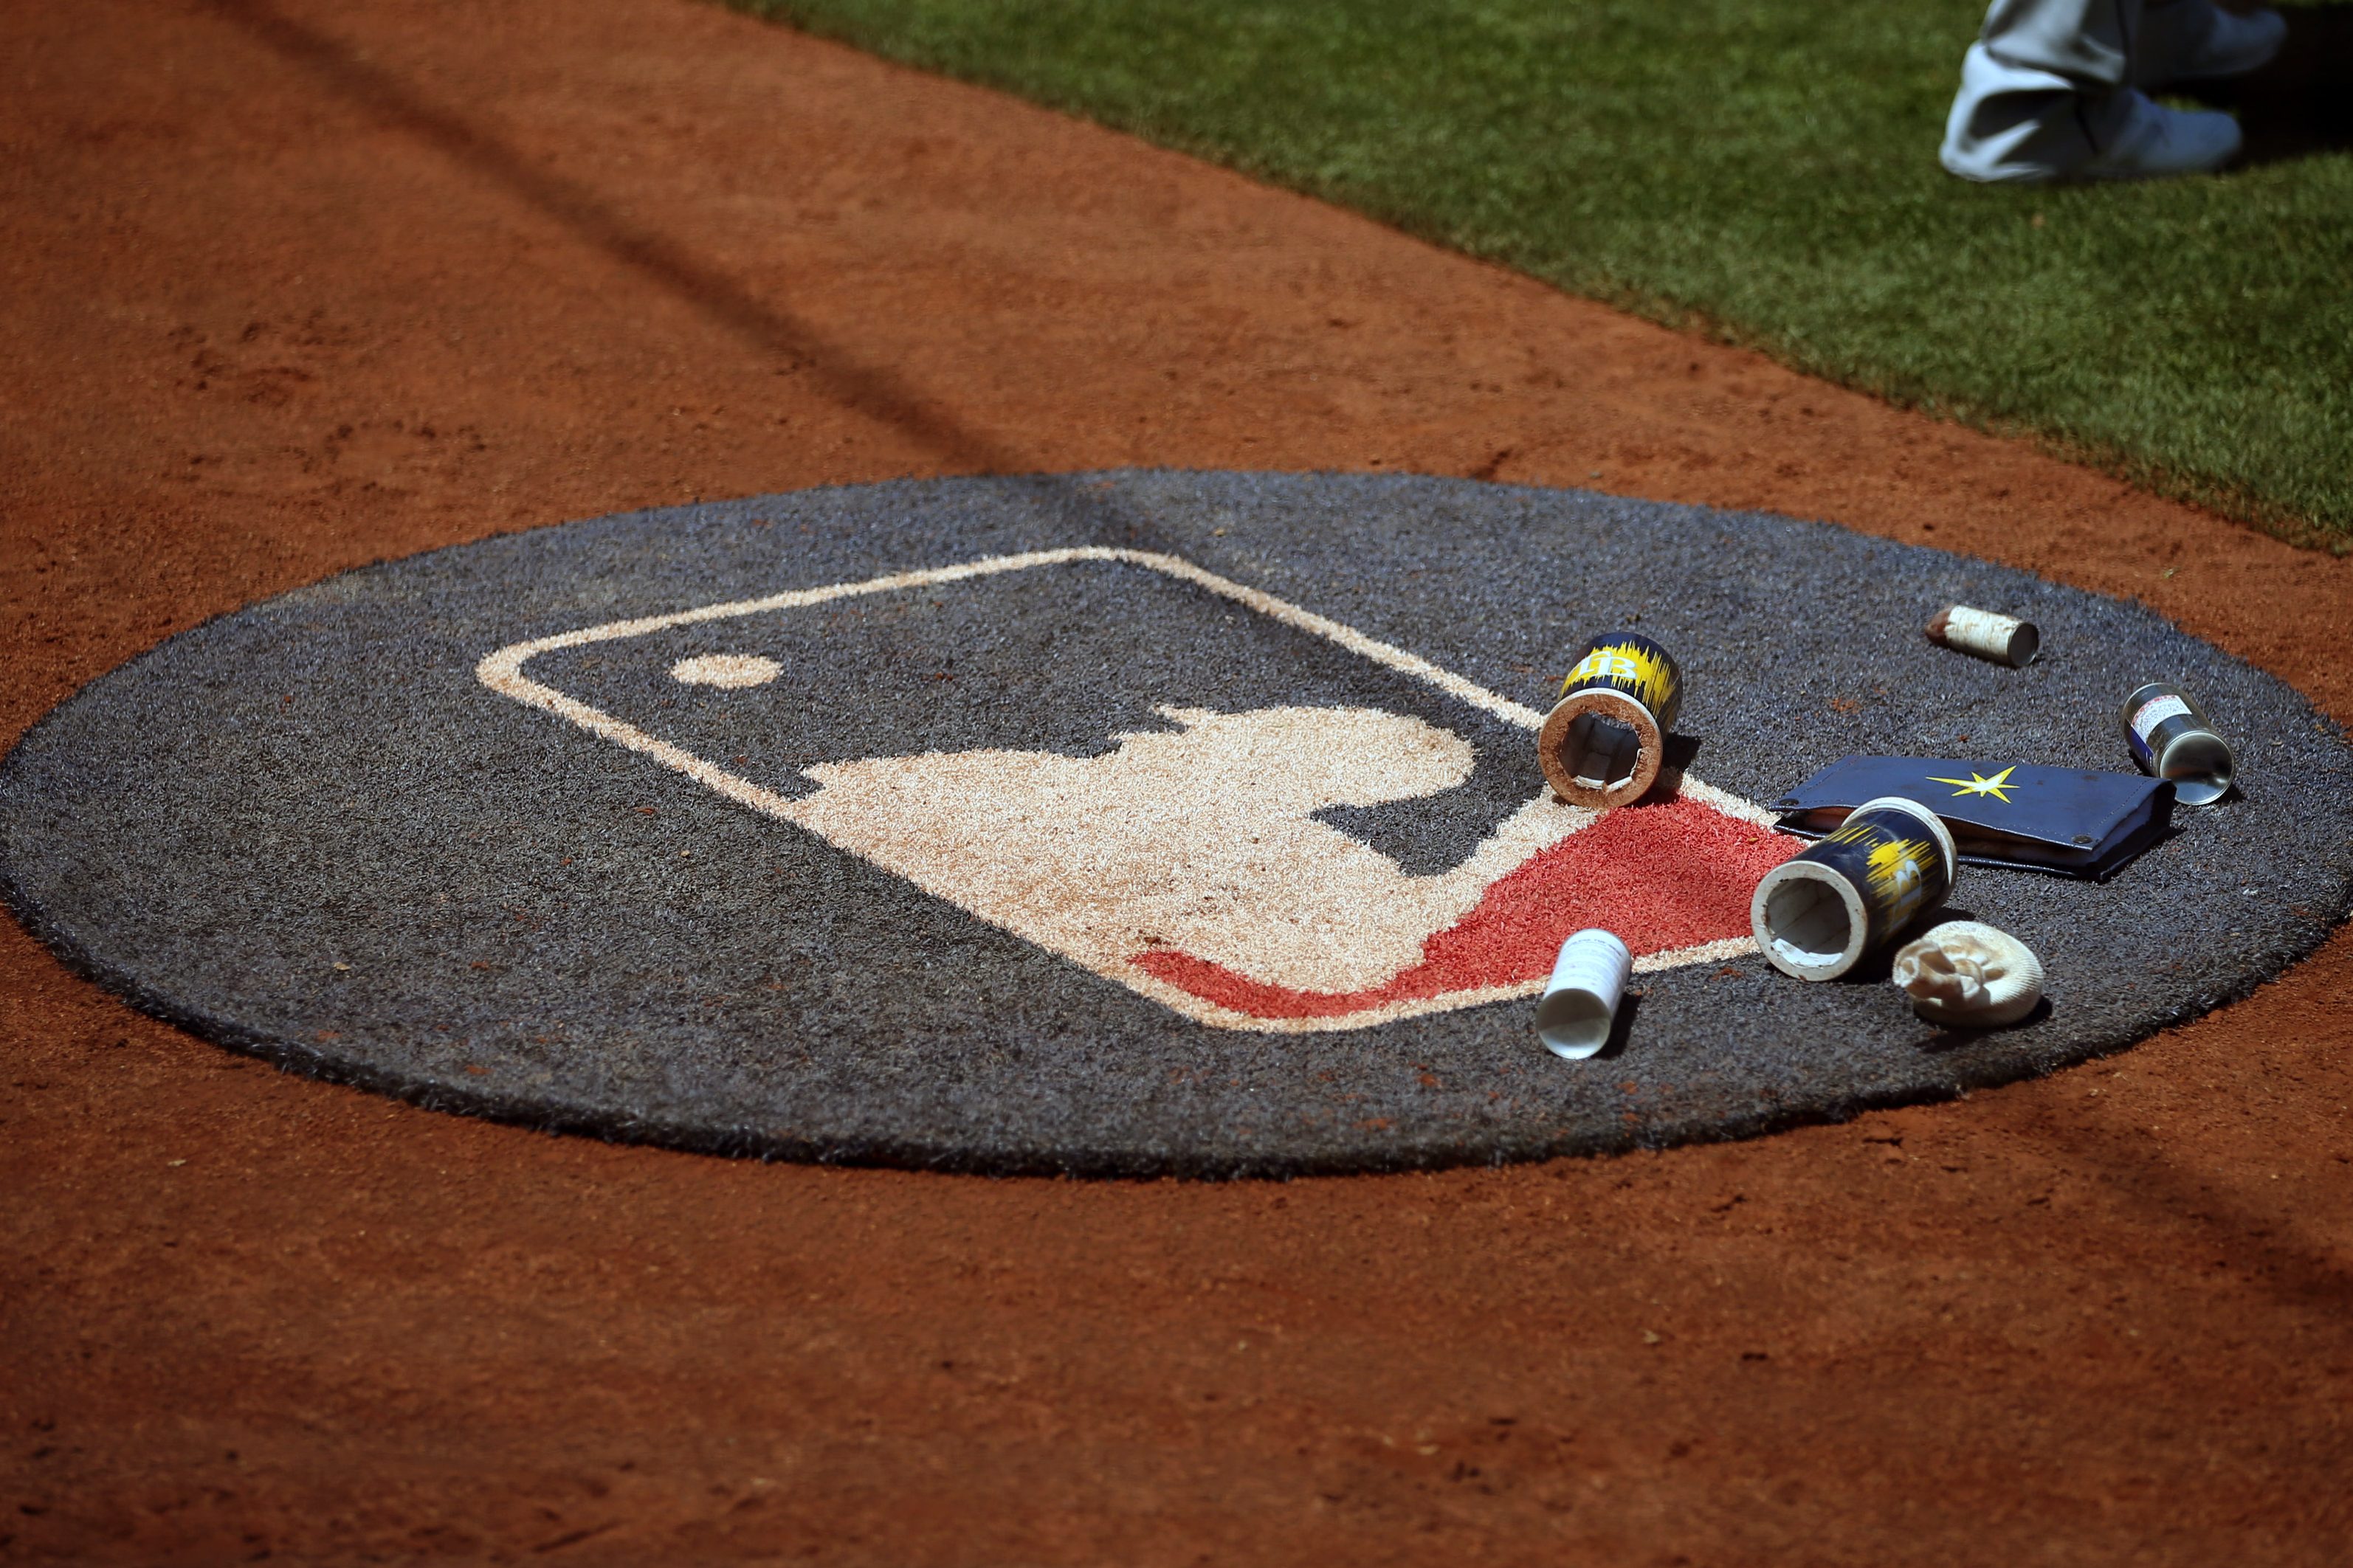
[2197, 40]
[2047, 93]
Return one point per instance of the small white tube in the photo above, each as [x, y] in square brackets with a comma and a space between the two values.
[1580, 1000]
[2004, 639]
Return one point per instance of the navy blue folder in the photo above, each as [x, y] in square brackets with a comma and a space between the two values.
[2077, 821]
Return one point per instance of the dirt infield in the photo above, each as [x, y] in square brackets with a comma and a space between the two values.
[293, 289]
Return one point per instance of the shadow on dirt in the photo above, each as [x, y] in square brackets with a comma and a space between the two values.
[876, 391]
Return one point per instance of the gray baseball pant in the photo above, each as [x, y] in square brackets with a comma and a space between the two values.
[2044, 89]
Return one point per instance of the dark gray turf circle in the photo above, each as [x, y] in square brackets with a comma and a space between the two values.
[306, 830]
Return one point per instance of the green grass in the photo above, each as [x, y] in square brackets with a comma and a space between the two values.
[1761, 170]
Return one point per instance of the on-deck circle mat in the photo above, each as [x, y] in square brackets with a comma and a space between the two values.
[1131, 823]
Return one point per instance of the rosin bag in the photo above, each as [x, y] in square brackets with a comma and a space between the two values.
[1580, 1000]
[1604, 741]
[1817, 916]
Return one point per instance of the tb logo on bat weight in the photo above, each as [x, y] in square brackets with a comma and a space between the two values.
[1245, 810]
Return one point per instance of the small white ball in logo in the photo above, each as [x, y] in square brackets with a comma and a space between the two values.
[728, 671]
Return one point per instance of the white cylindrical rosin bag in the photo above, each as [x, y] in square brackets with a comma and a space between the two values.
[1580, 1000]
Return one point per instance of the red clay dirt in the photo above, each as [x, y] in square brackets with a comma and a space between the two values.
[292, 286]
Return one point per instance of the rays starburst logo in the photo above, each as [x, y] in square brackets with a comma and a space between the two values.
[1977, 783]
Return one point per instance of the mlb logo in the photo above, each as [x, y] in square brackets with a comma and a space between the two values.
[1254, 815]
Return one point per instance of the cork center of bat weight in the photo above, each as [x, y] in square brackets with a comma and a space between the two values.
[1602, 752]
[1601, 748]
[1118, 823]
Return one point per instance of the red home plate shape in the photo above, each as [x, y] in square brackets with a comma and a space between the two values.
[1671, 879]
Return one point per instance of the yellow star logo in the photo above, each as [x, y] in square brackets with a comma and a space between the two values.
[1977, 784]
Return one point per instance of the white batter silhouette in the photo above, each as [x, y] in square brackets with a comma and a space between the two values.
[1201, 838]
